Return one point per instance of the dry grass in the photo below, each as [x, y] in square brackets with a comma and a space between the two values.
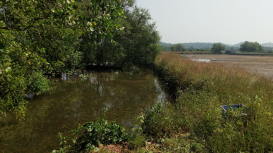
[262, 65]
[203, 88]
[234, 79]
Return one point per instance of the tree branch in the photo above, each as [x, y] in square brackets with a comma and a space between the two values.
[22, 29]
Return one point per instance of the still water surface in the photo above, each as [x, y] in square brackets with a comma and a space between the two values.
[76, 101]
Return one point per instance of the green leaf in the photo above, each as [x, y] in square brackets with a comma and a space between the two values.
[2, 46]
[8, 69]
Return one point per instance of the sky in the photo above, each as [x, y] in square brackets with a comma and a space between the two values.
[226, 21]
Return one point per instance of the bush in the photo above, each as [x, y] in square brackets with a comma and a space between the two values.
[37, 83]
[91, 134]
[15, 99]
[151, 118]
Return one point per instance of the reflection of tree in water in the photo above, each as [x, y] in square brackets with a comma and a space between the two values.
[75, 102]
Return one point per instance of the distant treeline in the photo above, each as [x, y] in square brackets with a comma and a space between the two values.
[188, 46]
[241, 47]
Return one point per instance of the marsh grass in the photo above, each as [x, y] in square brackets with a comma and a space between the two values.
[202, 88]
[194, 122]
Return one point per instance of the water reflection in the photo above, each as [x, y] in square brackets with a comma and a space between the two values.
[74, 102]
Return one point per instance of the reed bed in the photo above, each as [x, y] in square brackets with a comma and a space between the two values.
[195, 121]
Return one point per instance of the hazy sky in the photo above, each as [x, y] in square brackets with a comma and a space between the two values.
[226, 21]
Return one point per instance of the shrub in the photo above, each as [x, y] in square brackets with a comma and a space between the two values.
[37, 83]
[91, 134]
[15, 99]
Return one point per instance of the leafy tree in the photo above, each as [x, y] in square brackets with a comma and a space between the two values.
[178, 47]
[50, 37]
[136, 44]
[43, 37]
[172, 48]
[140, 39]
[217, 48]
[267, 49]
[251, 47]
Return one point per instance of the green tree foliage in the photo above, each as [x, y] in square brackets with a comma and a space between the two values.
[49, 37]
[172, 48]
[141, 40]
[268, 49]
[136, 44]
[39, 37]
[217, 48]
[251, 47]
[178, 47]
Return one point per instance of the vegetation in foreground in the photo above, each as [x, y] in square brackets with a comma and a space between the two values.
[202, 88]
[195, 122]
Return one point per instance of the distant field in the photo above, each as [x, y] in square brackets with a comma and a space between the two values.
[259, 64]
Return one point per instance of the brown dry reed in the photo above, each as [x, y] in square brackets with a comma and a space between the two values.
[203, 88]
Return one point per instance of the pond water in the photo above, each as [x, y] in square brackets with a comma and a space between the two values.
[76, 101]
[201, 60]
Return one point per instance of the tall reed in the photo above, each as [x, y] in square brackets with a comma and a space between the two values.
[202, 89]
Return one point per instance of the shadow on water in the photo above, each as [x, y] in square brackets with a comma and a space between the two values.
[76, 101]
